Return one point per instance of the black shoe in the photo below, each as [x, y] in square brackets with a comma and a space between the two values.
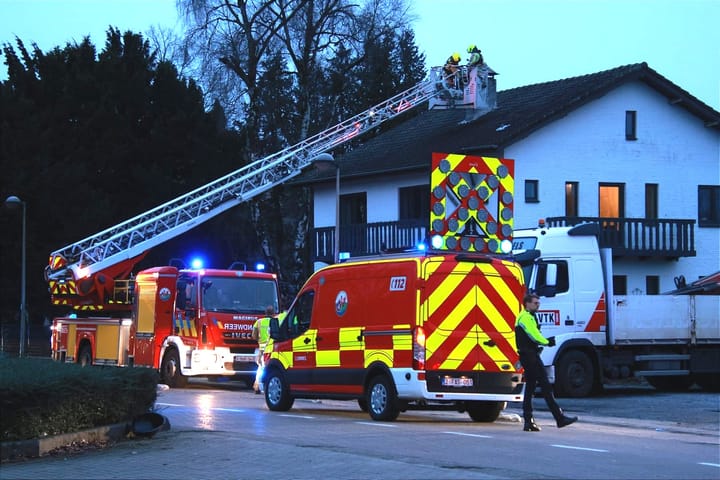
[531, 426]
[564, 421]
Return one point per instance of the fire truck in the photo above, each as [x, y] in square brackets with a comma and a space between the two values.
[172, 319]
[671, 340]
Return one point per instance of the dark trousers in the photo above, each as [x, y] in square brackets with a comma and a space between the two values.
[535, 375]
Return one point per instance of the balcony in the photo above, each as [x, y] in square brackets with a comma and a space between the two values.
[367, 239]
[629, 237]
[640, 237]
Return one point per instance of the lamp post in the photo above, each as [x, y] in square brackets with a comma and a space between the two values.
[12, 202]
[325, 160]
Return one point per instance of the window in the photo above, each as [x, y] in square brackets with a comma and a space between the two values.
[651, 201]
[611, 200]
[652, 285]
[298, 317]
[532, 194]
[709, 205]
[353, 209]
[630, 125]
[620, 284]
[414, 203]
[563, 278]
[571, 199]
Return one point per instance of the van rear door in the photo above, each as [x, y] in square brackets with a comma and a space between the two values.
[470, 305]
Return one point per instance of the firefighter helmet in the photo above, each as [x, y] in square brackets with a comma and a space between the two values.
[471, 48]
[456, 56]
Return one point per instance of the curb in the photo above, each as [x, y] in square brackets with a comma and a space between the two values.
[42, 446]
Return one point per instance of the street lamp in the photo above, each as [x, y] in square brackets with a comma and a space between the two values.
[13, 202]
[323, 161]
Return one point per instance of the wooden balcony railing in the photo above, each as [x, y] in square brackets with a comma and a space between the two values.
[639, 237]
[367, 239]
[634, 237]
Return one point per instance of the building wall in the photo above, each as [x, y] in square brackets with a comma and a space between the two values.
[673, 149]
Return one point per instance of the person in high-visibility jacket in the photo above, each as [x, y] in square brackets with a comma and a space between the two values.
[450, 70]
[261, 334]
[476, 57]
[529, 343]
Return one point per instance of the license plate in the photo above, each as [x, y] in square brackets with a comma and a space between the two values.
[457, 382]
[244, 358]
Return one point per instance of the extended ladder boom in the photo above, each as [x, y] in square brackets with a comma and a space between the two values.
[138, 234]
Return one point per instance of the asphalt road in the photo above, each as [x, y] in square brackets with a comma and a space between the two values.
[225, 431]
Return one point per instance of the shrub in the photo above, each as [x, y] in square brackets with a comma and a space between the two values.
[39, 397]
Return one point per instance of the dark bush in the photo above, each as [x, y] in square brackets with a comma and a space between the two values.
[39, 397]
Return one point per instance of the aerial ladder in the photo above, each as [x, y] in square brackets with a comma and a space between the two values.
[83, 274]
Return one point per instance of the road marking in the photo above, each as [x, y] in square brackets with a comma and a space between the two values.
[296, 416]
[580, 448]
[469, 434]
[376, 424]
[170, 404]
[237, 410]
[707, 464]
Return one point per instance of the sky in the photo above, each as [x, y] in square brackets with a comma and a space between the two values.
[525, 41]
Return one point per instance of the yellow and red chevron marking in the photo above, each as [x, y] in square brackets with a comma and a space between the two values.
[66, 287]
[471, 201]
[56, 261]
[471, 310]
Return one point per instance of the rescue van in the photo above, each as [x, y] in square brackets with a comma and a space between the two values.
[399, 332]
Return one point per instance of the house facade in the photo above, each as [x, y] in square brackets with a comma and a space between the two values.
[625, 145]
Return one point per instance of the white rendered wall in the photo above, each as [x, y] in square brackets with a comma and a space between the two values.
[673, 149]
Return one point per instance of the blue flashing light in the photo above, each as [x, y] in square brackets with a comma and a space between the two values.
[260, 267]
[421, 247]
[196, 263]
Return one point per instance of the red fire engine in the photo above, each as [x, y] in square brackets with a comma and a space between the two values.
[173, 319]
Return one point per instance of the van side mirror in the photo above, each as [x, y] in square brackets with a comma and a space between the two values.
[278, 328]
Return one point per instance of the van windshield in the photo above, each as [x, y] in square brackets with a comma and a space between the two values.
[238, 294]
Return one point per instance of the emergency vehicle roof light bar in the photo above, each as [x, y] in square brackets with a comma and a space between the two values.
[132, 237]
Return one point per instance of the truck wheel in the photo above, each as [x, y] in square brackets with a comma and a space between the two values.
[484, 411]
[574, 375]
[675, 383]
[382, 400]
[170, 370]
[277, 392]
[85, 356]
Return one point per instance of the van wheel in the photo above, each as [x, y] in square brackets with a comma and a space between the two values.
[170, 370]
[484, 411]
[382, 400]
[85, 356]
[277, 393]
[574, 375]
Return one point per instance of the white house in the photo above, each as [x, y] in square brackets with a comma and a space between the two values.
[625, 143]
